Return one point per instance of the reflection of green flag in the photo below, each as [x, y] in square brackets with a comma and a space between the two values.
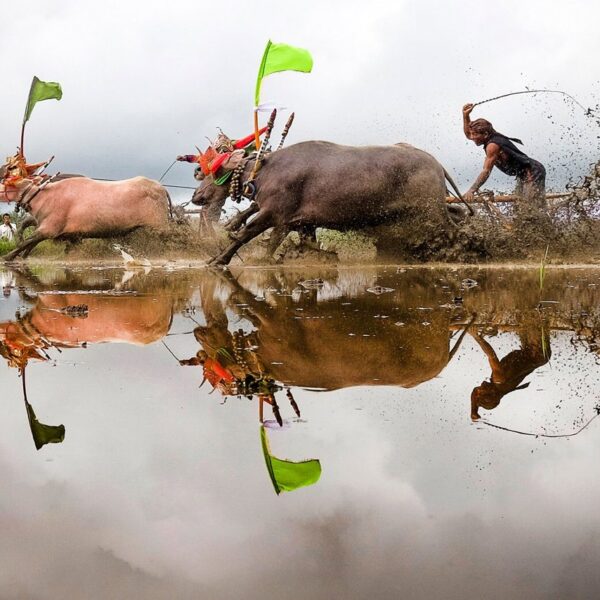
[44, 434]
[41, 90]
[281, 57]
[287, 475]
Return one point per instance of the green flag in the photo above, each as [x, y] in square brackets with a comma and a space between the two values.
[287, 475]
[281, 57]
[43, 434]
[41, 90]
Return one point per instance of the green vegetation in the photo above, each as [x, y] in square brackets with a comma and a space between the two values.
[350, 246]
[6, 247]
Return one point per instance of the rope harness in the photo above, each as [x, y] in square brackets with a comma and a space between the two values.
[28, 194]
[236, 189]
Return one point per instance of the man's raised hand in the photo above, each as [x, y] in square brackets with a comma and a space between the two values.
[467, 109]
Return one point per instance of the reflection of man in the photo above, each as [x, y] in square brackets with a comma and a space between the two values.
[7, 229]
[7, 281]
[508, 373]
[500, 152]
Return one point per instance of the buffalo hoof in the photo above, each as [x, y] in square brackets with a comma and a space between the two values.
[216, 262]
[272, 260]
[232, 225]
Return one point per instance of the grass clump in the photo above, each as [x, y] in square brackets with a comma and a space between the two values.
[6, 247]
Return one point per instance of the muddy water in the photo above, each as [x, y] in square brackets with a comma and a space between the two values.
[422, 464]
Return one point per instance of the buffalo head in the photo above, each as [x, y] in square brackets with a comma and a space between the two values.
[211, 197]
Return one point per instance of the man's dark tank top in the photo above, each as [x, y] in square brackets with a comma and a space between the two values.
[515, 162]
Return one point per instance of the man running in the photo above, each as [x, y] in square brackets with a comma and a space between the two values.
[501, 152]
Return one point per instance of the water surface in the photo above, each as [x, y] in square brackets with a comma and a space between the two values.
[422, 464]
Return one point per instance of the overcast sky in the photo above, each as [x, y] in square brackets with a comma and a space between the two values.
[145, 81]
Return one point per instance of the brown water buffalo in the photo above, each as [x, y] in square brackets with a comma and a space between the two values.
[79, 207]
[321, 184]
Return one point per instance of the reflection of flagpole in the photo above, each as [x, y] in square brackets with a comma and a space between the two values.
[24, 386]
[170, 351]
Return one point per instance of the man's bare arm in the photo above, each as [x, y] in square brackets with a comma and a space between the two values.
[467, 109]
[489, 352]
[491, 157]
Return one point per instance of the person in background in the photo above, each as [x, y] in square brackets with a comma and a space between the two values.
[7, 229]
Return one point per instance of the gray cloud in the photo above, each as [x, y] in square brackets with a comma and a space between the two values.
[144, 81]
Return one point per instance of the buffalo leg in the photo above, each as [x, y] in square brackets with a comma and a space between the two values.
[28, 221]
[28, 244]
[240, 219]
[261, 223]
[308, 237]
[27, 252]
[205, 225]
[277, 236]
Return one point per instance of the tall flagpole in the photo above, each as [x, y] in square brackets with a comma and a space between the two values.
[22, 138]
[22, 150]
[261, 71]
[256, 134]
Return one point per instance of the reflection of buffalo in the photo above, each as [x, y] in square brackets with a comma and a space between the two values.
[330, 345]
[73, 320]
[329, 349]
[126, 319]
[102, 318]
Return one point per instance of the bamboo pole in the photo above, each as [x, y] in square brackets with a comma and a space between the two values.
[499, 198]
[256, 133]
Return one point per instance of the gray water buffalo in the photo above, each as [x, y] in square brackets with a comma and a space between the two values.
[321, 184]
[79, 207]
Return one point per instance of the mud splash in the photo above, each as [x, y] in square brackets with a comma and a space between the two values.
[570, 229]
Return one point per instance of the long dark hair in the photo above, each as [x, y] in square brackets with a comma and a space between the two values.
[482, 126]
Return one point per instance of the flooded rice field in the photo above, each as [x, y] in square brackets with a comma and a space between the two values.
[336, 433]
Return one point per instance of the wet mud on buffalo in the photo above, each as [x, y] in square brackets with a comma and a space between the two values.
[321, 184]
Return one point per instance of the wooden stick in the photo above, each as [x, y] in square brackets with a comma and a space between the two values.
[286, 130]
[263, 147]
[499, 198]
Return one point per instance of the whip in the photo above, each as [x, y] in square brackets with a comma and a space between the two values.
[165, 173]
[588, 111]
